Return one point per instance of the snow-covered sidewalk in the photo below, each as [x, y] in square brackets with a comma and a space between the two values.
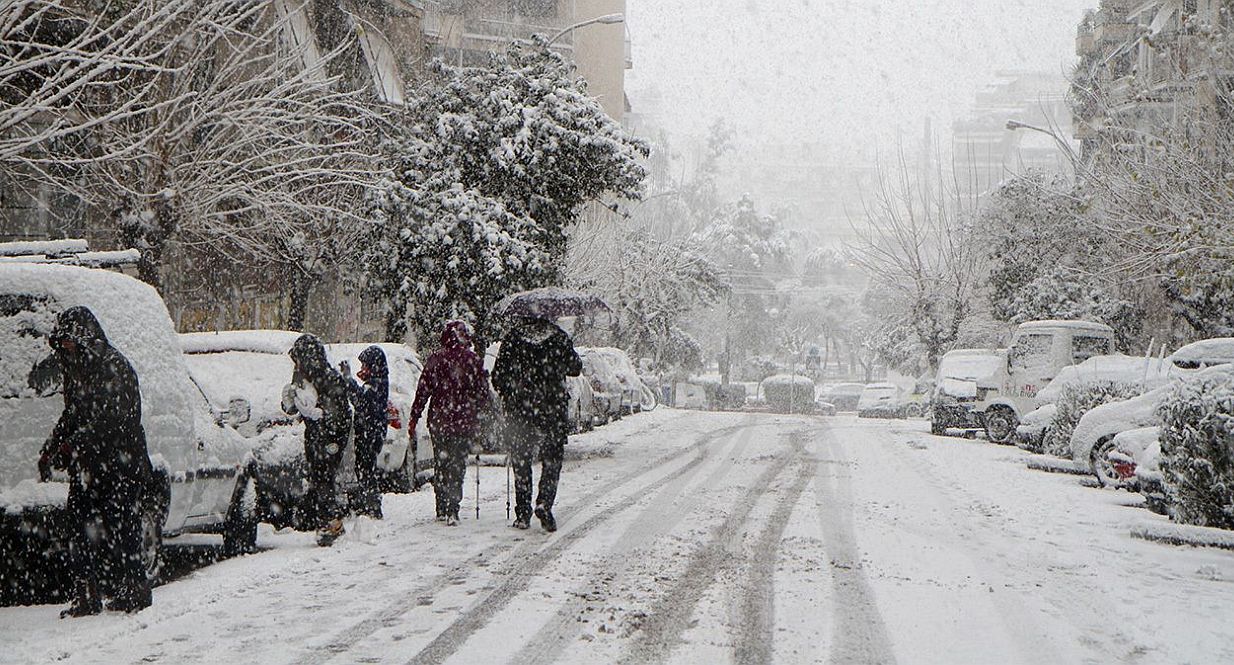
[699, 537]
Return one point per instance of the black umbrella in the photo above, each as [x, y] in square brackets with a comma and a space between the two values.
[551, 303]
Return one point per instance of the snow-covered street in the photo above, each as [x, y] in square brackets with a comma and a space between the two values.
[701, 537]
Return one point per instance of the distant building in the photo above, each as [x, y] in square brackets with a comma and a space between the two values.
[986, 152]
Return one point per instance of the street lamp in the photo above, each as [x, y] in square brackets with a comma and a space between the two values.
[1013, 125]
[607, 19]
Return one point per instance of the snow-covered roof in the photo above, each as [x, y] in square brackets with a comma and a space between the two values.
[1117, 368]
[1215, 351]
[256, 341]
[43, 247]
[1069, 325]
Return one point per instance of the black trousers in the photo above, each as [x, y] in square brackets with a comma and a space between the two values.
[529, 442]
[368, 495]
[321, 503]
[449, 469]
[106, 544]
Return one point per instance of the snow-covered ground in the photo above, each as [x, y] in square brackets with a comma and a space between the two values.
[697, 537]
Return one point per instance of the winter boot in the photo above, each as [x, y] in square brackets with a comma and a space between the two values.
[452, 520]
[546, 519]
[86, 604]
[330, 533]
[133, 600]
[522, 522]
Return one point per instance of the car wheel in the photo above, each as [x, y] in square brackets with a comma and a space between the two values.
[913, 411]
[151, 541]
[1103, 468]
[1000, 424]
[240, 529]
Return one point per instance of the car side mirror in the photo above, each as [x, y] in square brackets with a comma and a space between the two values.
[239, 411]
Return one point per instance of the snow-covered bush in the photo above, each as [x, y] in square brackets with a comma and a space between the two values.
[1074, 402]
[785, 393]
[1197, 449]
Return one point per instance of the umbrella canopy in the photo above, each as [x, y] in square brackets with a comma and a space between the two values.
[551, 303]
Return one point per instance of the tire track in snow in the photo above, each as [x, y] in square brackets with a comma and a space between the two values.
[756, 617]
[858, 634]
[670, 616]
[531, 562]
[391, 614]
[556, 635]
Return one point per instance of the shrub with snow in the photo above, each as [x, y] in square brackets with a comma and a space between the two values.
[785, 392]
[1197, 449]
[1074, 402]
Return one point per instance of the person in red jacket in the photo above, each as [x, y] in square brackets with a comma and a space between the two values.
[455, 388]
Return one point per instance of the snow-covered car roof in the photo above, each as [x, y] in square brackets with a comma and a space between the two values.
[1085, 326]
[136, 322]
[257, 341]
[1215, 351]
[1118, 368]
[972, 364]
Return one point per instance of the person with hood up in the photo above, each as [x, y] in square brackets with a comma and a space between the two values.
[371, 400]
[320, 397]
[100, 441]
[530, 376]
[455, 388]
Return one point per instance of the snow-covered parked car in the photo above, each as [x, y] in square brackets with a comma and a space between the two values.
[964, 377]
[881, 400]
[844, 396]
[1145, 372]
[1093, 438]
[1134, 458]
[253, 366]
[635, 395]
[204, 471]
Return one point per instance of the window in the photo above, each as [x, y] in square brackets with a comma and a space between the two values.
[534, 8]
[1031, 351]
[27, 367]
[1084, 347]
[382, 64]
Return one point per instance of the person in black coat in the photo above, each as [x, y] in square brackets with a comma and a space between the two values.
[100, 441]
[320, 397]
[369, 424]
[530, 376]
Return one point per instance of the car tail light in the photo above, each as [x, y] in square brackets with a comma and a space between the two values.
[1125, 470]
[394, 417]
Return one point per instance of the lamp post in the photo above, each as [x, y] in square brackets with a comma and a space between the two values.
[1014, 125]
[607, 19]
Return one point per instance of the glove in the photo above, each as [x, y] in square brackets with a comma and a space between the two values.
[411, 429]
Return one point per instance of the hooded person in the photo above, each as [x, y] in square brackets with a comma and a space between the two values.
[370, 399]
[320, 397]
[100, 441]
[530, 376]
[455, 388]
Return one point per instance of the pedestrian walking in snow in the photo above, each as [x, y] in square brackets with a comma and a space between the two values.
[530, 375]
[100, 441]
[370, 400]
[455, 388]
[320, 397]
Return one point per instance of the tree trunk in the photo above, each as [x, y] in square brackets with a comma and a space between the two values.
[301, 286]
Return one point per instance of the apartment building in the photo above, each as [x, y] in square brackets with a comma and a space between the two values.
[1146, 65]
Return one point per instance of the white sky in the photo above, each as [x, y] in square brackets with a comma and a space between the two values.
[844, 73]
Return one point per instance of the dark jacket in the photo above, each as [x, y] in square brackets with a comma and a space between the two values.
[371, 399]
[454, 386]
[531, 370]
[325, 431]
[99, 437]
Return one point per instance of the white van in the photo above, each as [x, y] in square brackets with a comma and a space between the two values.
[1039, 349]
[199, 459]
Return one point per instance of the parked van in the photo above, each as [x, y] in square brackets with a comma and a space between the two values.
[201, 462]
[1039, 349]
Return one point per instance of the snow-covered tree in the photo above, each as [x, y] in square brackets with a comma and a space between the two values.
[492, 165]
[204, 124]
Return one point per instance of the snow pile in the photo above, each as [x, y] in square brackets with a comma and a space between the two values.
[1075, 401]
[1197, 449]
[1130, 370]
[31, 493]
[255, 341]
